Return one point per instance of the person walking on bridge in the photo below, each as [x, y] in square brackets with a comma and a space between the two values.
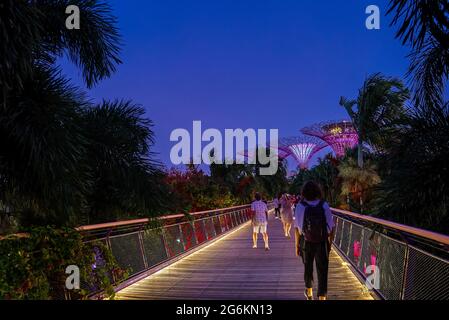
[277, 206]
[314, 226]
[259, 212]
[287, 213]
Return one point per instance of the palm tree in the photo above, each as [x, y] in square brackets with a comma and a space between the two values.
[325, 173]
[380, 103]
[415, 186]
[357, 181]
[424, 24]
[420, 19]
[123, 176]
[42, 146]
[60, 156]
[34, 33]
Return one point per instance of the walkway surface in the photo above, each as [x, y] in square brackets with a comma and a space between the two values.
[230, 269]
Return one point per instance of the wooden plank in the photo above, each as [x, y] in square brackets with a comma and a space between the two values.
[231, 269]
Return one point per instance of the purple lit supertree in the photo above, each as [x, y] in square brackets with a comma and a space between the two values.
[339, 135]
[302, 148]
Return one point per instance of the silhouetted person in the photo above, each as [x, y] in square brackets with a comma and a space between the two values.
[314, 230]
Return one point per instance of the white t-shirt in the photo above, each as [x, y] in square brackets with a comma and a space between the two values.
[299, 215]
[260, 208]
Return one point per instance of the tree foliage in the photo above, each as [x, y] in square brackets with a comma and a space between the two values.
[34, 33]
[357, 183]
[64, 160]
[424, 25]
[377, 109]
[32, 265]
[325, 173]
[415, 188]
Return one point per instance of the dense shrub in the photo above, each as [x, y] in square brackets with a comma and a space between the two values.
[32, 265]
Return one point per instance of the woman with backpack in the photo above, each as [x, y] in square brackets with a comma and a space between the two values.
[314, 226]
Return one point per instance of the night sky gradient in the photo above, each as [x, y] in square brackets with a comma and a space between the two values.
[244, 63]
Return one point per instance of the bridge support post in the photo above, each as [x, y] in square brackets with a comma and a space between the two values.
[405, 268]
[164, 240]
[142, 249]
[182, 237]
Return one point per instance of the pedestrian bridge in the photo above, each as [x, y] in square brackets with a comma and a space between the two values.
[210, 256]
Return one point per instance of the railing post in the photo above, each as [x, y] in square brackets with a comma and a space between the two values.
[222, 220]
[142, 250]
[362, 243]
[194, 230]
[109, 245]
[164, 240]
[405, 268]
[349, 239]
[342, 222]
[214, 233]
[182, 237]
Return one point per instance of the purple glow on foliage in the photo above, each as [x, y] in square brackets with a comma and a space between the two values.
[99, 261]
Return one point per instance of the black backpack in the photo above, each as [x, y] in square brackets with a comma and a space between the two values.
[314, 225]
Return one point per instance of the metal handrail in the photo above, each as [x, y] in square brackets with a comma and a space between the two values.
[123, 237]
[135, 222]
[402, 256]
[109, 225]
[430, 235]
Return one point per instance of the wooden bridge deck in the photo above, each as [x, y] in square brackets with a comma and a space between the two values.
[230, 269]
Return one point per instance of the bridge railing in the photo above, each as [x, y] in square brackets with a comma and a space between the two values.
[400, 262]
[138, 246]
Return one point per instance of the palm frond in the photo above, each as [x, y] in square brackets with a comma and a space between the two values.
[42, 146]
[429, 70]
[417, 19]
[379, 106]
[415, 189]
[20, 35]
[95, 47]
[126, 177]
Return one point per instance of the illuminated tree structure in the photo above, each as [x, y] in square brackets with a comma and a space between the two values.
[302, 148]
[339, 135]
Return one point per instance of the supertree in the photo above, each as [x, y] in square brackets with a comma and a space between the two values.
[302, 148]
[339, 135]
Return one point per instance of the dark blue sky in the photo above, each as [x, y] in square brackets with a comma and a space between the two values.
[246, 63]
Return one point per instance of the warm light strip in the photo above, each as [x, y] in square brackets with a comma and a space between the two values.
[354, 277]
